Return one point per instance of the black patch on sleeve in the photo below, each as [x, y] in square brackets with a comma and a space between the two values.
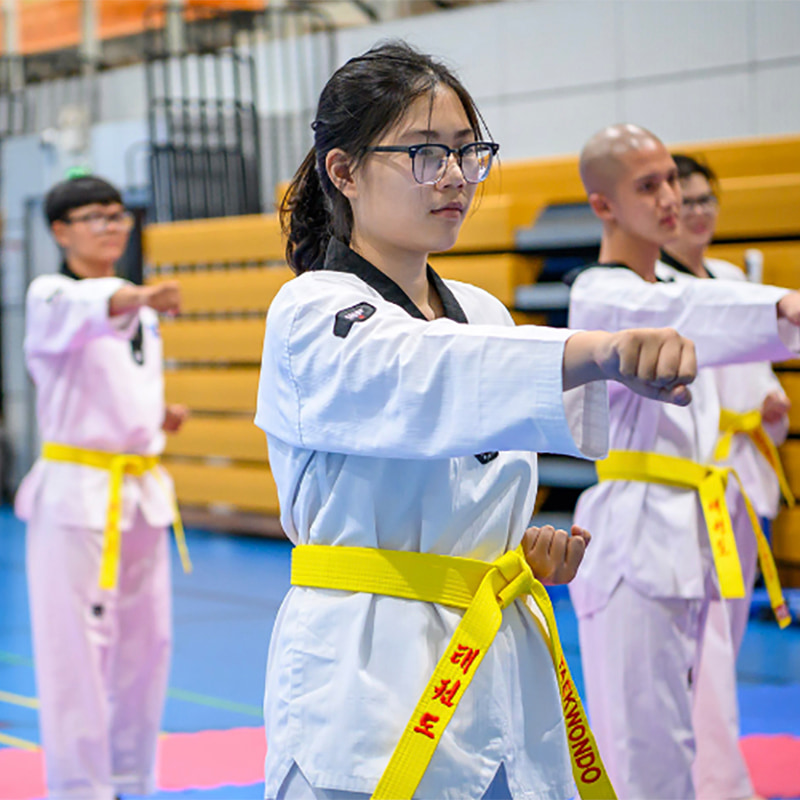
[347, 317]
[137, 345]
[485, 458]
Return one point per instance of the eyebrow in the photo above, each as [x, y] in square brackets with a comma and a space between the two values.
[432, 135]
[653, 176]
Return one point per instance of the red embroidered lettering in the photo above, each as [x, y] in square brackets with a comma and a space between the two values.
[465, 656]
[590, 775]
[445, 695]
[425, 726]
[576, 732]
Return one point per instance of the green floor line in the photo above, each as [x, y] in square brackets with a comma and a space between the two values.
[15, 741]
[19, 700]
[16, 660]
[175, 694]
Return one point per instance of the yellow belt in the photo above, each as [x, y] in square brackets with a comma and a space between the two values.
[483, 590]
[750, 424]
[709, 482]
[117, 464]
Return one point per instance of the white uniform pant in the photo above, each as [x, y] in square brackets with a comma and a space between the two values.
[102, 657]
[639, 655]
[720, 771]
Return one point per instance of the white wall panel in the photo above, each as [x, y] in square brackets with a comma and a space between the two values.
[777, 29]
[777, 98]
[468, 41]
[551, 124]
[701, 108]
[660, 38]
[547, 45]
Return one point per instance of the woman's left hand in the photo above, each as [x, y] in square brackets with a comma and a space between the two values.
[554, 555]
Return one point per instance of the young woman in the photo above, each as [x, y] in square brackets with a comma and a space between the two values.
[752, 390]
[403, 414]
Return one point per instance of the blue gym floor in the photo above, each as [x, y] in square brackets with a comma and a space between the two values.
[223, 615]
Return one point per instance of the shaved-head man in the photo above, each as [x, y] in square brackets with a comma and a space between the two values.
[659, 554]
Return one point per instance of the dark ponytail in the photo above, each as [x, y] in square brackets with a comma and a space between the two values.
[304, 218]
[360, 102]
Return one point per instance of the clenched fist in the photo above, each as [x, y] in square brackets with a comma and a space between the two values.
[554, 555]
[654, 362]
[164, 297]
[775, 406]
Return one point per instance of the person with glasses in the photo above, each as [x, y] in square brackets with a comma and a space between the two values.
[403, 413]
[755, 413]
[663, 548]
[97, 503]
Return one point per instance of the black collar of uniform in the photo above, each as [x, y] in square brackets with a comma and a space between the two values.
[341, 258]
[65, 270]
[675, 263]
[572, 275]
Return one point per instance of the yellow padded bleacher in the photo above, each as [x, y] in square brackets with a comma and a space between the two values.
[231, 389]
[248, 487]
[759, 206]
[234, 438]
[498, 274]
[229, 290]
[230, 341]
[255, 238]
[781, 260]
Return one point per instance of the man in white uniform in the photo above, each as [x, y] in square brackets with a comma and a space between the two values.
[98, 571]
[720, 770]
[643, 591]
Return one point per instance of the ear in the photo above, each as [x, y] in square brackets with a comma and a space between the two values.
[601, 207]
[338, 165]
[60, 231]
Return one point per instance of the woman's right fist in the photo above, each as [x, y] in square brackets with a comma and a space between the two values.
[653, 362]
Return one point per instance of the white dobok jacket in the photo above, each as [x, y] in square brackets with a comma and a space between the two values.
[387, 430]
[654, 536]
[100, 386]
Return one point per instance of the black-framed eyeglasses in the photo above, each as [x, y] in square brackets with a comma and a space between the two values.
[97, 221]
[702, 204]
[429, 161]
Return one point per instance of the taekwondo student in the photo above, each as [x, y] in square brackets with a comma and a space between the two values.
[643, 590]
[754, 420]
[97, 558]
[403, 413]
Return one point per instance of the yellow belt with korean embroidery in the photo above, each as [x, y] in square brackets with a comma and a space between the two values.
[709, 482]
[483, 590]
[118, 465]
[750, 424]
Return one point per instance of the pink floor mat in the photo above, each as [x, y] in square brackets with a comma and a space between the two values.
[203, 760]
[210, 759]
[774, 763]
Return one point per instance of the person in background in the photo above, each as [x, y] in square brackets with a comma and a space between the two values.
[754, 420]
[662, 545]
[97, 504]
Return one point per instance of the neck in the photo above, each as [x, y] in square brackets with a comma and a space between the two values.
[690, 255]
[90, 268]
[408, 270]
[638, 254]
